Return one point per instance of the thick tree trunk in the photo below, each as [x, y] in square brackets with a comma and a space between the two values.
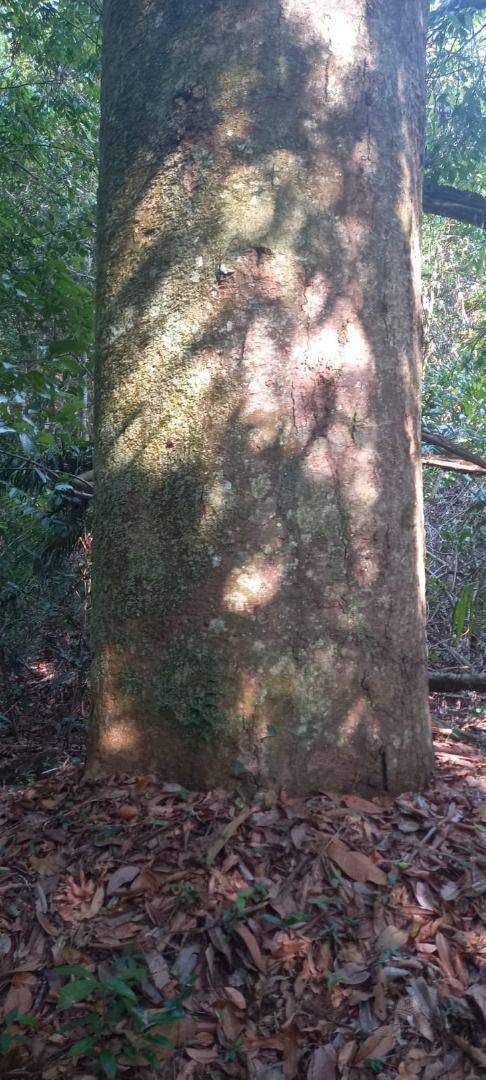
[258, 579]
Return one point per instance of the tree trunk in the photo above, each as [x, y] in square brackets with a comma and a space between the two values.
[258, 568]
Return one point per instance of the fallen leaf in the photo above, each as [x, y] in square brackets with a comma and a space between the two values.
[445, 955]
[89, 911]
[5, 944]
[284, 946]
[472, 1052]
[346, 1054]
[291, 1053]
[424, 895]
[392, 938]
[408, 825]
[357, 866]
[186, 962]
[376, 1046]
[449, 890]
[47, 924]
[128, 812]
[228, 831]
[235, 996]
[354, 974]
[158, 968]
[252, 945]
[231, 1023]
[123, 876]
[323, 1064]
[21, 993]
[203, 1057]
[146, 881]
[478, 995]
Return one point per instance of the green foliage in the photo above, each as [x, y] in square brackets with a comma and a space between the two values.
[456, 142]
[114, 1025]
[13, 1031]
[454, 391]
[49, 92]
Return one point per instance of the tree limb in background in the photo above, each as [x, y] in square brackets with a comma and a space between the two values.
[434, 439]
[455, 466]
[465, 206]
[448, 680]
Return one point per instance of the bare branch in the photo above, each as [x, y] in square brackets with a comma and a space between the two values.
[434, 439]
[465, 206]
[454, 466]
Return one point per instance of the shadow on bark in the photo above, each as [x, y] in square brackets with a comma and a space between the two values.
[257, 591]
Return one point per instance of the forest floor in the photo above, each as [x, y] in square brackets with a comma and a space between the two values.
[148, 931]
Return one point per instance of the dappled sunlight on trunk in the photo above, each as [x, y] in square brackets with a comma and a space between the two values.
[259, 519]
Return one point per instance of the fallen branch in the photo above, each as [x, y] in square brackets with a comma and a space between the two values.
[449, 680]
[434, 439]
[455, 466]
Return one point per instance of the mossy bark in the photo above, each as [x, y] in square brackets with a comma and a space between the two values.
[258, 571]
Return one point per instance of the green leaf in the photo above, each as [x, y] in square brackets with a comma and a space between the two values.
[158, 1040]
[75, 991]
[108, 1064]
[121, 988]
[76, 969]
[82, 1047]
[461, 612]
[151, 1058]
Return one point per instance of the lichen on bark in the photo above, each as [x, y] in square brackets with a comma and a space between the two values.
[258, 578]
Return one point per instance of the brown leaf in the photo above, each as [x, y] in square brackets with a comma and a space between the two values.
[204, 1057]
[5, 944]
[252, 945]
[291, 1053]
[158, 968]
[284, 946]
[186, 961]
[231, 1023]
[235, 996]
[408, 824]
[377, 1045]
[357, 866]
[122, 876]
[228, 831]
[478, 995]
[354, 974]
[424, 895]
[392, 938]
[445, 955]
[47, 924]
[128, 812]
[346, 1054]
[147, 881]
[21, 993]
[220, 942]
[177, 1032]
[472, 1052]
[90, 910]
[323, 1064]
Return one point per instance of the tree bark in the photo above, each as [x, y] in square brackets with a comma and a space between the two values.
[259, 611]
